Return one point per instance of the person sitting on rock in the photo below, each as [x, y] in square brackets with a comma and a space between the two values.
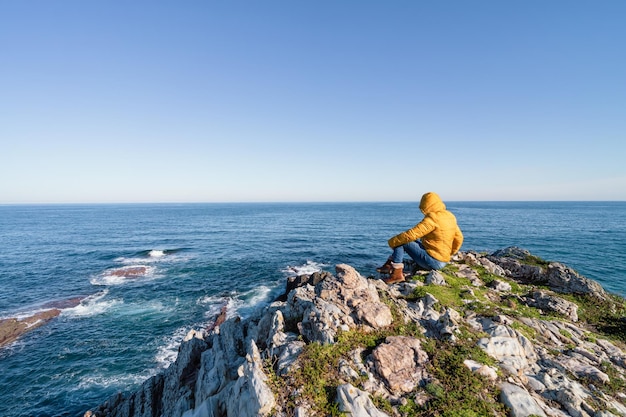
[431, 243]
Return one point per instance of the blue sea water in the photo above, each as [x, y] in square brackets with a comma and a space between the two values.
[199, 257]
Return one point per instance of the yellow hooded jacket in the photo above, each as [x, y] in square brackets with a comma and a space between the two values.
[440, 234]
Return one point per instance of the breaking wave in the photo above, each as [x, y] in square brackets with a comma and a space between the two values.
[121, 381]
[167, 353]
[153, 255]
[307, 268]
[92, 306]
[238, 303]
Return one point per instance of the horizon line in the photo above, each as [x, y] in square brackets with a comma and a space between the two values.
[103, 203]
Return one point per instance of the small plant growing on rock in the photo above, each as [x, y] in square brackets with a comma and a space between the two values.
[524, 329]
[318, 374]
[606, 316]
[565, 333]
[317, 377]
[617, 382]
[535, 260]
[457, 391]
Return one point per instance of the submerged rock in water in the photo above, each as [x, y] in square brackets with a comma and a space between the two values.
[128, 272]
[11, 329]
[63, 304]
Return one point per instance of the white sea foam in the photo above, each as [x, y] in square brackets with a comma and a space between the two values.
[216, 300]
[134, 260]
[143, 309]
[22, 315]
[250, 301]
[305, 269]
[121, 381]
[257, 296]
[237, 303]
[86, 303]
[215, 304]
[153, 256]
[166, 354]
[92, 306]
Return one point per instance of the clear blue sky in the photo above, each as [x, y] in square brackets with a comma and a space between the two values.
[154, 101]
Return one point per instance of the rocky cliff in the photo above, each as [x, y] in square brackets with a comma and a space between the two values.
[490, 335]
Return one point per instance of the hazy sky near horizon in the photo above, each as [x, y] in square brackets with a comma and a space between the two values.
[155, 101]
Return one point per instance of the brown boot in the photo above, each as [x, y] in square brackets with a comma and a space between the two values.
[386, 268]
[397, 275]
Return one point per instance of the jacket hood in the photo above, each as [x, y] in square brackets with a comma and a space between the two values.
[431, 202]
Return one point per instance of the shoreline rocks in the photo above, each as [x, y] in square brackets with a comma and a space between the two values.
[506, 321]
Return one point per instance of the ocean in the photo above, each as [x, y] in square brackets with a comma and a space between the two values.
[149, 273]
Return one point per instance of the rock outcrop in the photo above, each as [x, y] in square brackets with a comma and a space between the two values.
[505, 323]
[11, 329]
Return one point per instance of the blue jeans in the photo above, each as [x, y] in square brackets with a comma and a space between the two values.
[419, 255]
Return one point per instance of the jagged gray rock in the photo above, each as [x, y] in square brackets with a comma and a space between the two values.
[511, 261]
[565, 280]
[448, 324]
[465, 271]
[250, 395]
[513, 350]
[356, 403]
[557, 276]
[476, 259]
[500, 285]
[552, 303]
[520, 402]
[488, 372]
[338, 305]
[435, 278]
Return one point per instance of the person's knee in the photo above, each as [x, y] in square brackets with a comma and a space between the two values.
[439, 265]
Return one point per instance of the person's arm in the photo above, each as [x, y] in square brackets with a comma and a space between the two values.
[457, 241]
[421, 229]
